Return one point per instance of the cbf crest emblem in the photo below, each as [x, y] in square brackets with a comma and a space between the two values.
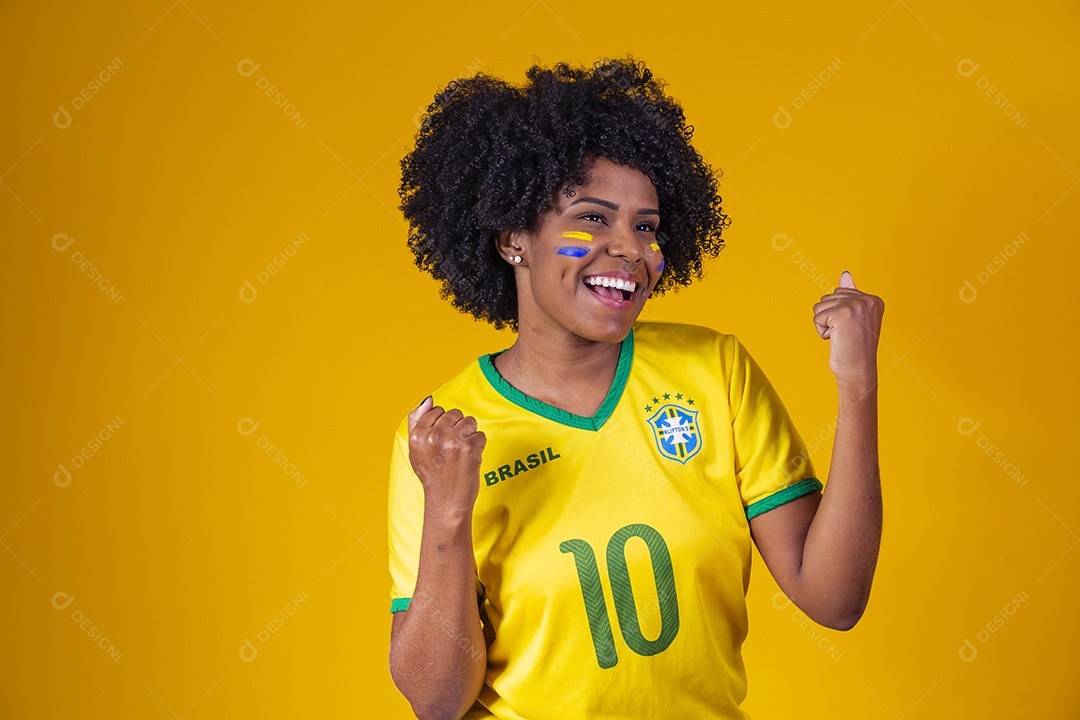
[678, 436]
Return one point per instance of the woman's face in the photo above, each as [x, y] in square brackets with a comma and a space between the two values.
[593, 259]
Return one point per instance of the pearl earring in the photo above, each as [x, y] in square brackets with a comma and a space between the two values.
[515, 258]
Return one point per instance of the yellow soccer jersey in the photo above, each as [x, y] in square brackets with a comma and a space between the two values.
[613, 552]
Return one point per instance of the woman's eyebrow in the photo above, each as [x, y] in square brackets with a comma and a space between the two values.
[609, 204]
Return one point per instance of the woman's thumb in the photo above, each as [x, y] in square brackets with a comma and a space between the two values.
[418, 411]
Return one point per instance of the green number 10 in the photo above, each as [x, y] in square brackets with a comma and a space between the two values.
[623, 593]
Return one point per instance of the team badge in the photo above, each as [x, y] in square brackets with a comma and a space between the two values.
[676, 430]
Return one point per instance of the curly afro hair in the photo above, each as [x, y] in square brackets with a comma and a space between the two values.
[490, 156]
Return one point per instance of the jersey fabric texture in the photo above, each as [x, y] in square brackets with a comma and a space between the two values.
[613, 552]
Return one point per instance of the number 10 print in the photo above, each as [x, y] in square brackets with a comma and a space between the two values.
[623, 593]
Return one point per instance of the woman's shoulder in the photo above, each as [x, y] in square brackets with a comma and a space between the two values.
[460, 391]
[679, 337]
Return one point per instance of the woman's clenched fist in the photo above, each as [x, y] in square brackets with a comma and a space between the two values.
[445, 450]
[850, 320]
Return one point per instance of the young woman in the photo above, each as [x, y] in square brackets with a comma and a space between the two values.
[570, 519]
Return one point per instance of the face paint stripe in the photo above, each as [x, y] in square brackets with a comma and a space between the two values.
[577, 235]
[572, 251]
[655, 247]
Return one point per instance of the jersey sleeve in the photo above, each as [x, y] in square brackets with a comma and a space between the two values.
[405, 525]
[772, 463]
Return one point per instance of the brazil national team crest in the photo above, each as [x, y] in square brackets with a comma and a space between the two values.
[676, 430]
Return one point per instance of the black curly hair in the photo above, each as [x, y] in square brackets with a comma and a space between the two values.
[491, 157]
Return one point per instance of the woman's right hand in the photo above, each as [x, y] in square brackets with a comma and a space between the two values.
[445, 450]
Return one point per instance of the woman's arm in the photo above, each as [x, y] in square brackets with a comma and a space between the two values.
[437, 652]
[822, 549]
[438, 657]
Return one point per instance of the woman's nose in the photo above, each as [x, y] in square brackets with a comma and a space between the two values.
[625, 242]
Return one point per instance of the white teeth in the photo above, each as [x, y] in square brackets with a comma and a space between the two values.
[628, 285]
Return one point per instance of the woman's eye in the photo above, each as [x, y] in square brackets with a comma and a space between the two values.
[597, 217]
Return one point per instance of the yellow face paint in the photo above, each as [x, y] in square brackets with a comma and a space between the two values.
[577, 235]
[655, 247]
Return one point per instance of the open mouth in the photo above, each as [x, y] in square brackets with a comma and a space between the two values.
[615, 290]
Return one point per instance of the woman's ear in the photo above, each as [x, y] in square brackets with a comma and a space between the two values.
[507, 242]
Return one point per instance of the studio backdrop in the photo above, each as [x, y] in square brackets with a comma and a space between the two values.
[212, 327]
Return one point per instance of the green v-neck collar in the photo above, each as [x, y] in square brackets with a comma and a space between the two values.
[543, 409]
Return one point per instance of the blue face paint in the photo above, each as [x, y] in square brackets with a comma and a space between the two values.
[572, 251]
[660, 267]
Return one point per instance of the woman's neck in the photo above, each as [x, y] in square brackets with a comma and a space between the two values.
[569, 372]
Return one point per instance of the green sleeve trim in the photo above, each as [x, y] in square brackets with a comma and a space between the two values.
[399, 604]
[803, 487]
[543, 409]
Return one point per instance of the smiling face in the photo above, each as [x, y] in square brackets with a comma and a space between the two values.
[592, 260]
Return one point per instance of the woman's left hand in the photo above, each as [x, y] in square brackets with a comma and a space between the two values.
[851, 320]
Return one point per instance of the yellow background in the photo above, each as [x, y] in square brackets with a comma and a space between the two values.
[179, 180]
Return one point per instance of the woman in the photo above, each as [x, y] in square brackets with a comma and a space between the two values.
[570, 519]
